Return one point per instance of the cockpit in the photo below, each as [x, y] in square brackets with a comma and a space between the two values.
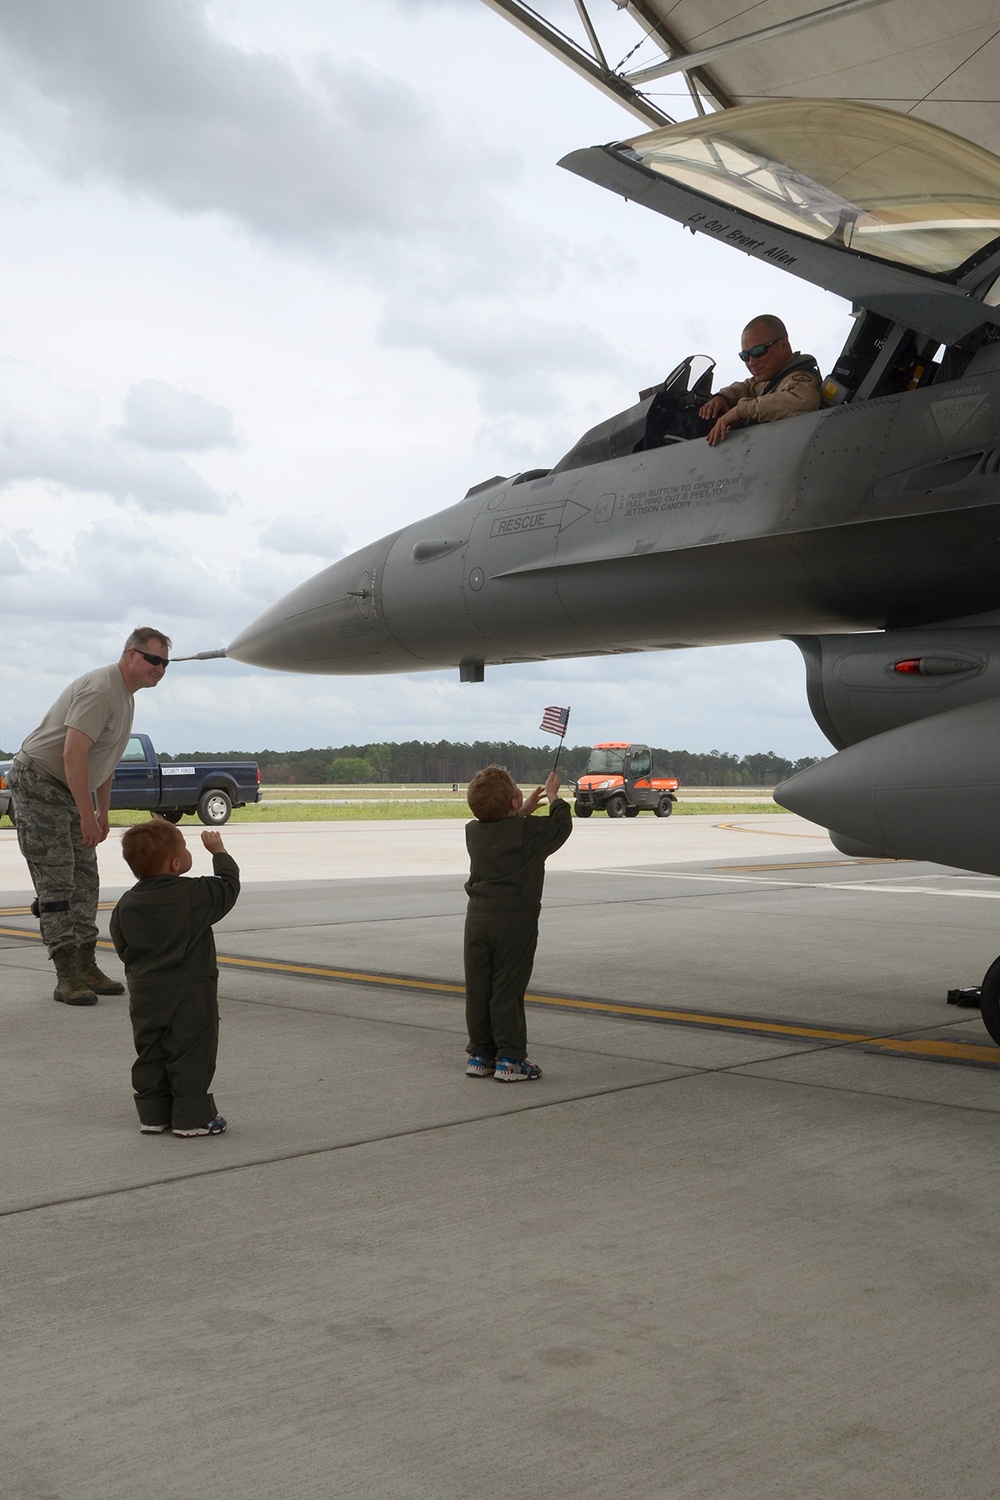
[897, 215]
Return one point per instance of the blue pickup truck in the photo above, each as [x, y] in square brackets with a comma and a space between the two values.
[209, 788]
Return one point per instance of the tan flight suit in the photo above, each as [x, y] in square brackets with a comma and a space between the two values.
[788, 394]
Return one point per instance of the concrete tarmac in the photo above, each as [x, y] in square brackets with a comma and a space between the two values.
[736, 1242]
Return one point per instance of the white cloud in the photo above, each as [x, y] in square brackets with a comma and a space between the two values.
[23, 544]
[309, 536]
[148, 96]
[10, 562]
[158, 415]
[516, 360]
[53, 434]
[113, 573]
[334, 158]
[267, 575]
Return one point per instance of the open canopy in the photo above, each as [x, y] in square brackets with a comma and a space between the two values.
[854, 176]
[897, 215]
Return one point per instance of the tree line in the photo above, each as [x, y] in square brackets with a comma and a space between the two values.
[420, 761]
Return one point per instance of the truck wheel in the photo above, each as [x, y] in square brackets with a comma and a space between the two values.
[581, 811]
[989, 1000]
[214, 806]
[631, 812]
[616, 806]
[172, 815]
[664, 807]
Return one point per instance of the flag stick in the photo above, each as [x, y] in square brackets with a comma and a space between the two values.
[562, 739]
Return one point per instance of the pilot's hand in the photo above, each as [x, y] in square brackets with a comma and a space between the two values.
[728, 419]
[714, 407]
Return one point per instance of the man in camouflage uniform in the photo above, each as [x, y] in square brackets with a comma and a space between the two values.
[782, 382]
[60, 786]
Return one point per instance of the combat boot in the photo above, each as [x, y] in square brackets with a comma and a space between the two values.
[90, 974]
[70, 988]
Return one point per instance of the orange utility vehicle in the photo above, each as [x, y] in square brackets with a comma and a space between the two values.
[619, 778]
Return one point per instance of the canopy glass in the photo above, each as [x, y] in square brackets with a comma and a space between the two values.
[859, 177]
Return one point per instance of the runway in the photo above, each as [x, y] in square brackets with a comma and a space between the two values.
[735, 1242]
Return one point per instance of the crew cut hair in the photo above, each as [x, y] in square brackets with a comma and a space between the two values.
[491, 792]
[774, 326]
[146, 847]
[142, 635]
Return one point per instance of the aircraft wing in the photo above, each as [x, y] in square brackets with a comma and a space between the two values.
[937, 60]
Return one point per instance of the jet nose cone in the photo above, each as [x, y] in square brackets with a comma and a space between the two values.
[928, 790]
[838, 793]
[818, 793]
[830, 796]
[330, 624]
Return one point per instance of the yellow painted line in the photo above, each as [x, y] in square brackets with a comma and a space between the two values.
[25, 911]
[909, 1047]
[36, 937]
[310, 971]
[918, 1047]
[773, 833]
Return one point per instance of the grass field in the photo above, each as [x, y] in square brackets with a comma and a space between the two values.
[329, 804]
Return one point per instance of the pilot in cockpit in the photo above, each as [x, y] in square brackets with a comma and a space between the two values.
[782, 383]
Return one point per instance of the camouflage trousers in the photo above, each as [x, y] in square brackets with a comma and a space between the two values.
[63, 872]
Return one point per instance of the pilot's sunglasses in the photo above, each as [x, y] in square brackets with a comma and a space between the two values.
[154, 661]
[756, 350]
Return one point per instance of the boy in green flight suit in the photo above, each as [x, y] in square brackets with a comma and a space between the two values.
[162, 931]
[507, 849]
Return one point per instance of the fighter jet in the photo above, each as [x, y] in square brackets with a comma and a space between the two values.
[850, 146]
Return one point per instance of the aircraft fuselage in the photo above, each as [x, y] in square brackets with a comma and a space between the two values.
[879, 514]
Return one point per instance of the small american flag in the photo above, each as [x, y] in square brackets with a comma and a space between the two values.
[555, 721]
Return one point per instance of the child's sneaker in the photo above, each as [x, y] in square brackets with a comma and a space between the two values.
[214, 1127]
[480, 1067]
[511, 1070]
[153, 1129]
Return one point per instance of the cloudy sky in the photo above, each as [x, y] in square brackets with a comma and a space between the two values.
[284, 275]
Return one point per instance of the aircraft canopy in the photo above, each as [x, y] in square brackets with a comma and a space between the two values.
[852, 175]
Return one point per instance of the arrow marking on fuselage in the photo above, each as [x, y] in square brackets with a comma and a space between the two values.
[542, 518]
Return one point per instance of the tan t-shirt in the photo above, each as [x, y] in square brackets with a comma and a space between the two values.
[101, 707]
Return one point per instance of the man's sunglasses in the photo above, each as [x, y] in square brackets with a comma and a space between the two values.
[756, 350]
[154, 661]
